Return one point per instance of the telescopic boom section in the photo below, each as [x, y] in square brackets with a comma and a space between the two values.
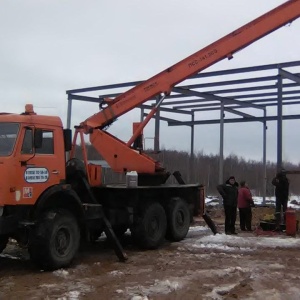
[224, 47]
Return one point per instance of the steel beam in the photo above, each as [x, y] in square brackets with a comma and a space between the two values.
[104, 87]
[84, 98]
[214, 84]
[247, 69]
[252, 88]
[236, 120]
[289, 75]
[260, 95]
[209, 107]
[165, 119]
[171, 110]
[236, 112]
[215, 97]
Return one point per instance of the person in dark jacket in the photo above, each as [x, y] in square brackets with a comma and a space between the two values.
[245, 202]
[281, 184]
[229, 193]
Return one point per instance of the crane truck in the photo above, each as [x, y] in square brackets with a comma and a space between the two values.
[50, 204]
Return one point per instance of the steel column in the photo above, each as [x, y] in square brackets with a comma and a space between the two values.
[221, 161]
[192, 176]
[142, 114]
[156, 128]
[264, 157]
[69, 112]
[279, 124]
[221, 154]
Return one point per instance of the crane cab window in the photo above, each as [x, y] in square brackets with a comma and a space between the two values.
[47, 143]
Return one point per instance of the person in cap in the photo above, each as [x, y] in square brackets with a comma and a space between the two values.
[281, 184]
[245, 202]
[229, 193]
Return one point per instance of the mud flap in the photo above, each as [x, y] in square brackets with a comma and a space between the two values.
[210, 223]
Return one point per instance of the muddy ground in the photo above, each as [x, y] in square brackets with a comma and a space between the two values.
[251, 265]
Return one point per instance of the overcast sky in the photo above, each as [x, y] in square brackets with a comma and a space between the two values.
[48, 47]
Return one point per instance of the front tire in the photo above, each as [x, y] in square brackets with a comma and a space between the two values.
[150, 230]
[178, 216]
[55, 240]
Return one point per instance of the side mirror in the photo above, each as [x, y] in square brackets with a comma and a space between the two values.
[68, 139]
[38, 138]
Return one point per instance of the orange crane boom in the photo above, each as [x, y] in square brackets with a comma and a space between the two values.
[202, 59]
[118, 154]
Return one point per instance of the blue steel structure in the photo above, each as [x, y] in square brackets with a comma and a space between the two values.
[248, 95]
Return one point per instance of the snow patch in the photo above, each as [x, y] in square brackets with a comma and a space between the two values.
[139, 298]
[229, 242]
[73, 295]
[221, 247]
[116, 273]
[159, 287]
[9, 256]
[218, 292]
[61, 273]
[276, 266]
[75, 290]
[197, 228]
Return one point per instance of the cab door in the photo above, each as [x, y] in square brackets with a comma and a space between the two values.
[41, 167]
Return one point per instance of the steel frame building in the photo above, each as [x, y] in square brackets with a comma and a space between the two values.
[247, 93]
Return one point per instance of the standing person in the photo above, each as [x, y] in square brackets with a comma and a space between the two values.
[245, 202]
[281, 184]
[229, 193]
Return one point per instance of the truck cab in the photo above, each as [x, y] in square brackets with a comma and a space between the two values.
[32, 159]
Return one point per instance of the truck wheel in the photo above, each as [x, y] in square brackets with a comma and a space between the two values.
[3, 242]
[178, 216]
[150, 230]
[55, 240]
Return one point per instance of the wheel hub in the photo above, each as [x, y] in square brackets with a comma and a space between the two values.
[180, 218]
[153, 226]
[62, 241]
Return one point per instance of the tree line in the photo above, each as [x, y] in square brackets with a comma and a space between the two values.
[204, 169]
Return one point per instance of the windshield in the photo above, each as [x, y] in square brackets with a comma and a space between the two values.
[8, 136]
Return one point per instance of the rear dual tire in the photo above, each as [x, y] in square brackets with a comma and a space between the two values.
[150, 230]
[179, 219]
[154, 224]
